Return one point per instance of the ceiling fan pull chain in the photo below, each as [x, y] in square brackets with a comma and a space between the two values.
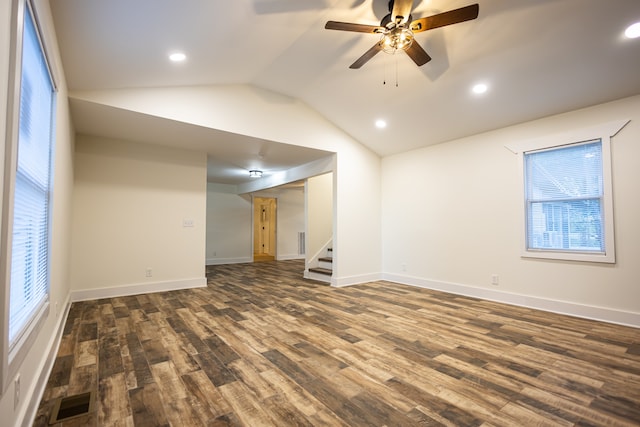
[396, 71]
[384, 76]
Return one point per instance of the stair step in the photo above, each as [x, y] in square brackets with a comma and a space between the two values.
[326, 259]
[328, 265]
[319, 270]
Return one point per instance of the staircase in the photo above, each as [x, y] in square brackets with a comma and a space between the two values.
[324, 270]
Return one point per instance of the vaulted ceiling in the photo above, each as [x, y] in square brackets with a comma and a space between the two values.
[537, 58]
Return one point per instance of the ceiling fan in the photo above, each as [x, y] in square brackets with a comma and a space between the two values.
[398, 27]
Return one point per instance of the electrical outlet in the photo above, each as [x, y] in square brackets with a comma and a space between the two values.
[495, 279]
[404, 267]
[148, 272]
[56, 308]
[16, 391]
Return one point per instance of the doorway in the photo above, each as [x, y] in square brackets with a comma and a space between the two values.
[264, 229]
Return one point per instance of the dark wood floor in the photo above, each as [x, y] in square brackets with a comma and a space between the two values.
[262, 347]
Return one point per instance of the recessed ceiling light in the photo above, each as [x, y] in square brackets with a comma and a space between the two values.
[177, 57]
[633, 31]
[381, 124]
[480, 88]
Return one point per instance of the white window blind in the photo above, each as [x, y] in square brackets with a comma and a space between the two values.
[29, 285]
[564, 193]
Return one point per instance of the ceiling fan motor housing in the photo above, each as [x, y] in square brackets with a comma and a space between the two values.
[390, 23]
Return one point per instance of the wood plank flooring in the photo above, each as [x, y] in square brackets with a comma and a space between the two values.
[262, 347]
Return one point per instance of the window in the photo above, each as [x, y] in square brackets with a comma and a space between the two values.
[30, 146]
[568, 207]
[564, 198]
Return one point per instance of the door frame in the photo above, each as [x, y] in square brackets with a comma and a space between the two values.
[273, 230]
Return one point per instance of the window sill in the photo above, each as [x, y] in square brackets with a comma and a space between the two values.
[570, 256]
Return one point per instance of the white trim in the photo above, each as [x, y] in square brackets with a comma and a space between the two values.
[602, 314]
[219, 261]
[137, 288]
[38, 387]
[289, 257]
[340, 282]
[603, 132]
[8, 369]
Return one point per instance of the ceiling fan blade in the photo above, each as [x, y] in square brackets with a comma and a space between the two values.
[367, 56]
[358, 28]
[443, 19]
[401, 8]
[418, 54]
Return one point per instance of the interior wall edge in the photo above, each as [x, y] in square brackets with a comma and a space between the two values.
[339, 282]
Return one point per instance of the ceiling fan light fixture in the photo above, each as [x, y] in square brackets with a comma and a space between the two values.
[254, 173]
[399, 38]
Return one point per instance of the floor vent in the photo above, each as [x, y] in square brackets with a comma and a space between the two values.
[301, 243]
[69, 407]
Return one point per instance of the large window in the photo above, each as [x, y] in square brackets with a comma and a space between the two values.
[564, 198]
[29, 154]
[567, 194]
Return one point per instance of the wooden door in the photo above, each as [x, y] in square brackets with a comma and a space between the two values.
[264, 228]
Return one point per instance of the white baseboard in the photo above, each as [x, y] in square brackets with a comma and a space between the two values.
[46, 365]
[220, 261]
[602, 314]
[289, 257]
[137, 288]
[339, 282]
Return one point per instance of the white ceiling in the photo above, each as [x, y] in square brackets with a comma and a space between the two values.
[538, 57]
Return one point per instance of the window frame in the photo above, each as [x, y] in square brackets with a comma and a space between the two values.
[603, 132]
[12, 355]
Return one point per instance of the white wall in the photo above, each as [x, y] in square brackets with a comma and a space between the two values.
[451, 219]
[291, 221]
[129, 205]
[252, 111]
[320, 201]
[34, 370]
[229, 224]
[228, 227]
[357, 237]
